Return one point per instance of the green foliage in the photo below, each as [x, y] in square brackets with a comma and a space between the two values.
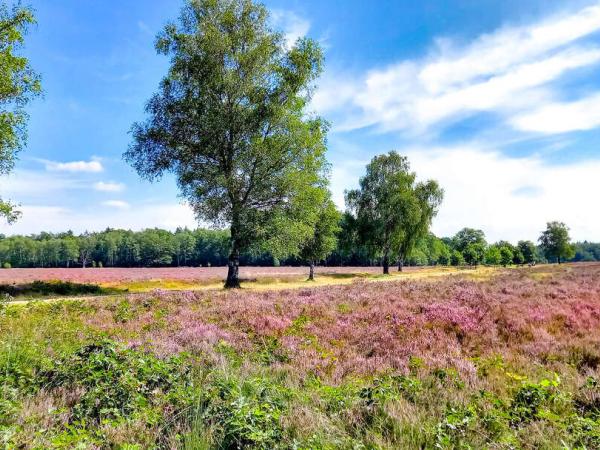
[117, 382]
[391, 211]
[493, 256]
[529, 400]
[506, 256]
[466, 237]
[457, 258]
[324, 237]
[254, 159]
[243, 413]
[556, 243]
[528, 250]
[416, 221]
[46, 288]
[474, 253]
[6, 265]
[18, 85]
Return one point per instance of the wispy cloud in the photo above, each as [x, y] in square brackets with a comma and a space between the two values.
[119, 204]
[504, 72]
[110, 186]
[583, 114]
[508, 197]
[93, 166]
[294, 27]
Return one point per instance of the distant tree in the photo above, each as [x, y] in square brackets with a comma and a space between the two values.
[444, 254]
[230, 122]
[474, 253]
[156, 247]
[556, 242]
[380, 204]
[506, 255]
[466, 237]
[457, 258]
[493, 256]
[419, 210]
[518, 257]
[434, 250]
[69, 250]
[185, 243]
[587, 251]
[528, 251]
[18, 85]
[87, 246]
[324, 238]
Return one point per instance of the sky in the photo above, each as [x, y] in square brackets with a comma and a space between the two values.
[498, 100]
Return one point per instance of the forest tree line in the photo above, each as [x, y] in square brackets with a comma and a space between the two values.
[207, 247]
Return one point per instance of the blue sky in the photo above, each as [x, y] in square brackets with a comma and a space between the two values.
[498, 100]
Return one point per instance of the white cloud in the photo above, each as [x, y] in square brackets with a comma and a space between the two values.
[294, 27]
[504, 72]
[93, 166]
[509, 198]
[583, 114]
[119, 204]
[110, 186]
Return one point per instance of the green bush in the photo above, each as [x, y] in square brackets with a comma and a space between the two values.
[244, 413]
[6, 265]
[118, 382]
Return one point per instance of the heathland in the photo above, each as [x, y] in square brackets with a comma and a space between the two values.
[489, 358]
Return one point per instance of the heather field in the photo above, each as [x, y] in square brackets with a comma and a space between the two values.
[52, 283]
[508, 358]
[189, 274]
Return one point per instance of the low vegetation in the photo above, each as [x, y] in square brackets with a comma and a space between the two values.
[506, 360]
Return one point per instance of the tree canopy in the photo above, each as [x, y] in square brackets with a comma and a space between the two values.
[18, 85]
[556, 242]
[230, 123]
[323, 241]
[392, 211]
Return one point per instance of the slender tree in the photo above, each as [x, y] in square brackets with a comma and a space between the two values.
[385, 197]
[230, 123]
[556, 242]
[467, 236]
[87, 246]
[506, 255]
[18, 84]
[323, 241]
[528, 251]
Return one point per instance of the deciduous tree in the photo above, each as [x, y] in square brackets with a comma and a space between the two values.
[18, 84]
[528, 251]
[556, 242]
[324, 238]
[230, 122]
[381, 202]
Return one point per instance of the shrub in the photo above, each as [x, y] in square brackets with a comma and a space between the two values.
[244, 413]
[117, 382]
[6, 265]
[530, 398]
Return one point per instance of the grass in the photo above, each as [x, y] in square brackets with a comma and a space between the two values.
[325, 278]
[479, 359]
[52, 289]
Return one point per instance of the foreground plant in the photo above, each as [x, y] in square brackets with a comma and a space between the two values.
[507, 361]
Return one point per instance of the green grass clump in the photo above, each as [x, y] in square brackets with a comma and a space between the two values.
[39, 289]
